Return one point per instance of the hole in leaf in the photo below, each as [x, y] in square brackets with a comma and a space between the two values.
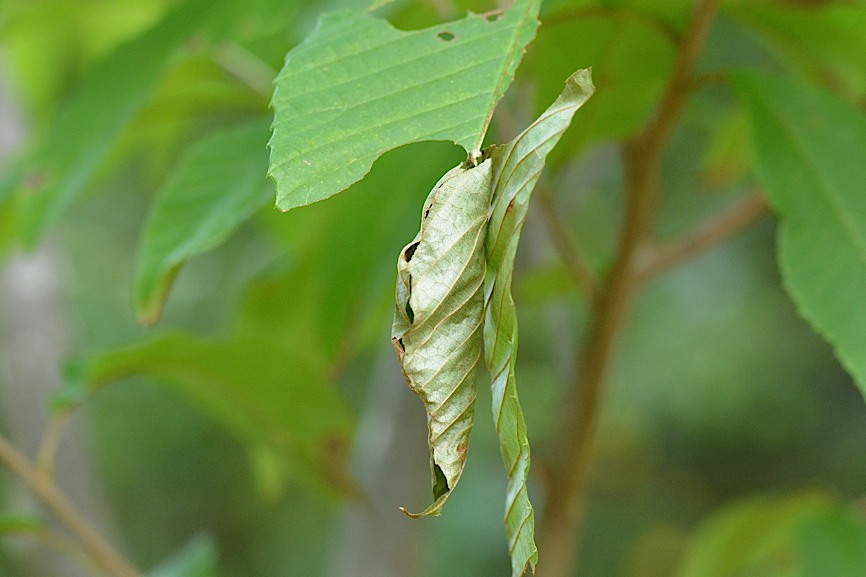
[493, 16]
[410, 250]
[446, 36]
[409, 312]
[440, 485]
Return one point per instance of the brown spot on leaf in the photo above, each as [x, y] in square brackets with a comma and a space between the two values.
[462, 446]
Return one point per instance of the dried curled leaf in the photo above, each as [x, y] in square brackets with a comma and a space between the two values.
[438, 318]
[516, 168]
[454, 290]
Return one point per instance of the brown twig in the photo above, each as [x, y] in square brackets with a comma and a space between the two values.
[568, 251]
[102, 553]
[562, 518]
[717, 229]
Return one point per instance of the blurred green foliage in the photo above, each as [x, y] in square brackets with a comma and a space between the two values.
[732, 439]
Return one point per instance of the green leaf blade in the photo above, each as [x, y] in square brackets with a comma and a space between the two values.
[811, 153]
[77, 143]
[357, 87]
[517, 167]
[800, 533]
[283, 409]
[216, 186]
[824, 40]
[438, 319]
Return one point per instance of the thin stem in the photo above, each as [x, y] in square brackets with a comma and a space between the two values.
[562, 518]
[246, 67]
[57, 542]
[569, 254]
[46, 455]
[717, 229]
[103, 553]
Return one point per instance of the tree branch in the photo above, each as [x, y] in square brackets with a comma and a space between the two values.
[98, 549]
[717, 229]
[562, 518]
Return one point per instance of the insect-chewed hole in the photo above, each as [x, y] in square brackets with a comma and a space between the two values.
[493, 16]
[409, 312]
[446, 36]
[410, 250]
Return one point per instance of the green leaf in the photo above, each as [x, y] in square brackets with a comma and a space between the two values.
[833, 543]
[826, 40]
[47, 44]
[439, 314]
[516, 168]
[801, 534]
[216, 186]
[811, 160]
[197, 559]
[270, 399]
[76, 144]
[357, 87]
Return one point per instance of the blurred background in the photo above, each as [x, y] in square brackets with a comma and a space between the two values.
[730, 437]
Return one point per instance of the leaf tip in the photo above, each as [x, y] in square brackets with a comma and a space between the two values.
[432, 511]
[151, 297]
